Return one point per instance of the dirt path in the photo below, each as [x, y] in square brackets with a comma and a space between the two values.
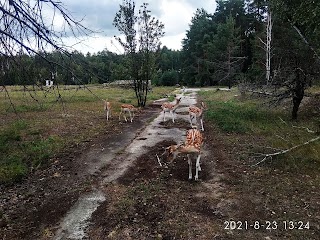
[115, 160]
[147, 201]
[62, 201]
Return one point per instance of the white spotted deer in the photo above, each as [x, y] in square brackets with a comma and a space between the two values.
[197, 114]
[107, 109]
[192, 145]
[169, 107]
[129, 109]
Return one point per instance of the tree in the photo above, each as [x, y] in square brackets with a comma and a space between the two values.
[225, 51]
[303, 16]
[141, 45]
[295, 23]
[196, 70]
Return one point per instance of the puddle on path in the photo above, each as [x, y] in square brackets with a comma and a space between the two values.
[76, 221]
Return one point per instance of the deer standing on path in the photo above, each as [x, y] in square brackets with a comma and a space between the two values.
[107, 109]
[197, 113]
[193, 143]
[169, 107]
[129, 109]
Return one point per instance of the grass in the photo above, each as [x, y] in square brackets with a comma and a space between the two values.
[36, 124]
[22, 149]
[234, 116]
[252, 119]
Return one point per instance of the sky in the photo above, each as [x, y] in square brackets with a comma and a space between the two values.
[98, 15]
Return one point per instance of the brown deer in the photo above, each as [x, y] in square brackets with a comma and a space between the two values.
[197, 113]
[107, 109]
[129, 109]
[193, 143]
[169, 107]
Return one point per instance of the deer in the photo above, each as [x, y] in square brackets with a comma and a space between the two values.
[107, 109]
[127, 108]
[197, 113]
[192, 145]
[169, 107]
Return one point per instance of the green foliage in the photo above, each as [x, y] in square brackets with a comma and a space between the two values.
[302, 13]
[196, 67]
[169, 78]
[215, 46]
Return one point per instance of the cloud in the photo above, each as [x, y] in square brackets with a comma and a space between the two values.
[173, 42]
[98, 16]
[95, 15]
[175, 17]
[208, 5]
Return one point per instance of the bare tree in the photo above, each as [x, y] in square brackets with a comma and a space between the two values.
[23, 27]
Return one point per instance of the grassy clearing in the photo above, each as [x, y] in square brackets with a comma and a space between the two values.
[252, 119]
[36, 123]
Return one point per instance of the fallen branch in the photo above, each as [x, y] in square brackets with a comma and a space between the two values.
[307, 129]
[293, 126]
[270, 155]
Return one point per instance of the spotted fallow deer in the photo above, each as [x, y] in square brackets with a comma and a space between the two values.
[107, 109]
[192, 145]
[169, 107]
[197, 114]
[129, 109]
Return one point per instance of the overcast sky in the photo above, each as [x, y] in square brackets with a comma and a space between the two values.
[99, 14]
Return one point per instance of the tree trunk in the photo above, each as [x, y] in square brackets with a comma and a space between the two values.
[298, 92]
[268, 48]
[229, 67]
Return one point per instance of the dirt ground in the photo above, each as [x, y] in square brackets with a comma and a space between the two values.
[153, 202]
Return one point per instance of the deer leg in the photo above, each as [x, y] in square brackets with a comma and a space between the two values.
[201, 121]
[198, 168]
[164, 115]
[108, 114]
[172, 114]
[130, 116]
[120, 115]
[124, 115]
[190, 118]
[190, 167]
